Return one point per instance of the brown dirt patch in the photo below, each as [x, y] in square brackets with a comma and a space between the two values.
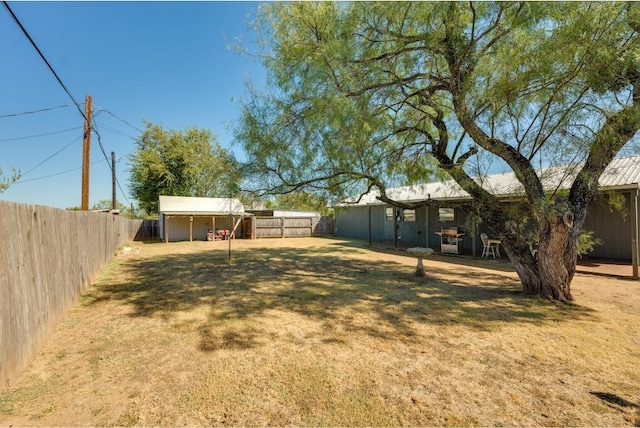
[329, 332]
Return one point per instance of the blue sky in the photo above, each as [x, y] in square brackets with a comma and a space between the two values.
[164, 62]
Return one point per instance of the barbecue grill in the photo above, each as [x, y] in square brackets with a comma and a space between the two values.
[450, 240]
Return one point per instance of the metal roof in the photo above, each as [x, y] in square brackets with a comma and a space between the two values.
[185, 205]
[621, 173]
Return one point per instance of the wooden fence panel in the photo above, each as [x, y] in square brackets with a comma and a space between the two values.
[292, 227]
[296, 227]
[47, 258]
[149, 230]
[269, 227]
[324, 227]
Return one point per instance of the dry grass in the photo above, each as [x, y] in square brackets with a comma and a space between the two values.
[328, 333]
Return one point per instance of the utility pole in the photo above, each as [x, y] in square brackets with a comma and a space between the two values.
[85, 153]
[113, 181]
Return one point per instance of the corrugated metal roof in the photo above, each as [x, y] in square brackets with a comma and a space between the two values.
[621, 172]
[184, 205]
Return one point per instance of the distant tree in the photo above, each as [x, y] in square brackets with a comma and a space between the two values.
[105, 204]
[302, 201]
[175, 163]
[369, 95]
[6, 182]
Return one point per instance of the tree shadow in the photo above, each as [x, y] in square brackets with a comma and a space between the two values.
[614, 399]
[326, 284]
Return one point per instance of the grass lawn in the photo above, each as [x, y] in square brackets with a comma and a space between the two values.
[327, 332]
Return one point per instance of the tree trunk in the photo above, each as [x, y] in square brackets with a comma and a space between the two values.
[525, 265]
[557, 257]
[550, 272]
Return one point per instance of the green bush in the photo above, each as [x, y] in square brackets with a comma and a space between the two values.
[587, 242]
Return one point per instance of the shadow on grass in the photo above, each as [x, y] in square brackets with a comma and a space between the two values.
[614, 399]
[326, 284]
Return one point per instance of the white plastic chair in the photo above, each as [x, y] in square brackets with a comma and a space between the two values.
[489, 248]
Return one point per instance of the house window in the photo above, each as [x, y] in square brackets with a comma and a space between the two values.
[446, 214]
[388, 212]
[409, 215]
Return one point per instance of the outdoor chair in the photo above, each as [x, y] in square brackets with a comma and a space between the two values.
[490, 246]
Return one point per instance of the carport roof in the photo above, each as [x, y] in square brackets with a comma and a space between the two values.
[184, 205]
[621, 173]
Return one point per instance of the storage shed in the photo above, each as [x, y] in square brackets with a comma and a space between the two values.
[184, 218]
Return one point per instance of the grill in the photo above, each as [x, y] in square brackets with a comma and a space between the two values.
[450, 240]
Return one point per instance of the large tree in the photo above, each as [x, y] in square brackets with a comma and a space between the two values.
[363, 96]
[180, 163]
[301, 201]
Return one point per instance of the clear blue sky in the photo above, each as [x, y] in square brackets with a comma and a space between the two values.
[165, 62]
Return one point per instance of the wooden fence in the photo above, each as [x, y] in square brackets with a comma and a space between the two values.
[47, 259]
[148, 230]
[324, 227]
[286, 227]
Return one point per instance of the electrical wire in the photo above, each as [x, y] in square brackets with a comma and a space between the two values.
[77, 104]
[119, 118]
[93, 126]
[34, 111]
[56, 174]
[122, 191]
[41, 135]
[25, 173]
[95, 130]
[114, 130]
[24, 30]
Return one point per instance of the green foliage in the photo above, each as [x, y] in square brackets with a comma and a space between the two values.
[180, 163]
[302, 201]
[371, 95]
[6, 182]
[618, 203]
[383, 94]
[106, 204]
[587, 242]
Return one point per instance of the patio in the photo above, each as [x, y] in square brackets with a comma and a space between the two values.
[587, 265]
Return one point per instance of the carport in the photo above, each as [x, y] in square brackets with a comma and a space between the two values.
[187, 218]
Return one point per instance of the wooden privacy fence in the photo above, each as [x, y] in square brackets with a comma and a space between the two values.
[286, 227]
[48, 257]
[148, 230]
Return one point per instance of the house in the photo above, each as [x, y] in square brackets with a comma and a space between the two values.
[371, 219]
[188, 218]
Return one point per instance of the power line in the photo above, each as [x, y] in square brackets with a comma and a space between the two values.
[114, 130]
[56, 174]
[34, 111]
[122, 191]
[119, 118]
[24, 30]
[52, 156]
[77, 104]
[41, 135]
[93, 127]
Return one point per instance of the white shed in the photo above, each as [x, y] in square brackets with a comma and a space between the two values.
[185, 218]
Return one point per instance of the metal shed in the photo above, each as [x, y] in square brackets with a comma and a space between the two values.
[185, 218]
